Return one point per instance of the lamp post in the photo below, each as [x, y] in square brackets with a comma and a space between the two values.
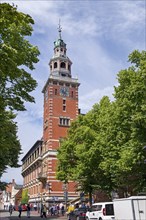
[42, 177]
[65, 189]
[38, 203]
[48, 188]
[144, 175]
[28, 197]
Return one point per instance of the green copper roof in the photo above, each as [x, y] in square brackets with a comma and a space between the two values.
[59, 43]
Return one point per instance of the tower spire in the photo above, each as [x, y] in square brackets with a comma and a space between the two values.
[59, 29]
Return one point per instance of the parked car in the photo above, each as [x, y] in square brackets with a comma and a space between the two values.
[80, 213]
[101, 211]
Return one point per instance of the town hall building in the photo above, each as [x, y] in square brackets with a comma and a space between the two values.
[60, 109]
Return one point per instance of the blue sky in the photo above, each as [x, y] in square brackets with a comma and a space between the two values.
[99, 36]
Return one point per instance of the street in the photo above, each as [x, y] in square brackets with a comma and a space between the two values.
[4, 215]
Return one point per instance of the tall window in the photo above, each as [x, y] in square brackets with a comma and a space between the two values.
[64, 102]
[55, 65]
[64, 108]
[55, 91]
[64, 105]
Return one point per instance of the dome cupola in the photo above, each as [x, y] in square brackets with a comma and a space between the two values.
[60, 64]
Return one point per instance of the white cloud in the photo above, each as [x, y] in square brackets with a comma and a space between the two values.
[94, 97]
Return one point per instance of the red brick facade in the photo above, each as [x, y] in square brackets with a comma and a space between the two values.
[60, 109]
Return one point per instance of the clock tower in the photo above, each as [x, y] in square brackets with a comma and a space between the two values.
[60, 109]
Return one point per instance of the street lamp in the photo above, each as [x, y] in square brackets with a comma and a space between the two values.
[65, 189]
[48, 187]
[38, 205]
[144, 175]
[28, 194]
[42, 177]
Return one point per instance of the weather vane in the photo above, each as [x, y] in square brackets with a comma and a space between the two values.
[59, 29]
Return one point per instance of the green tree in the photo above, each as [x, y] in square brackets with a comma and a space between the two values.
[9, 144]
[124, 156]
[18, 56]
[16, 53]
[25, 196]
[79, 155]
[131, 119]
[105, 148]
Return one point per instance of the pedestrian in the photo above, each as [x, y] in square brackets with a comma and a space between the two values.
[62, 210]
[70, 211]
[57, 209]
[44, 211]
[19, 210]
[35, 207]
[10, 209]
[28, 210]
[42, 207]
[51, 210]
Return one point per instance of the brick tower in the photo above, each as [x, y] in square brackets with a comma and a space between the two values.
[60, 109]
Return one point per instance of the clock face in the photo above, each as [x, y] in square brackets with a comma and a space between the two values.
[64, 91]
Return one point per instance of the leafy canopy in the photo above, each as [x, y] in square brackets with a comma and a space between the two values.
[18, 56]
[105, 148]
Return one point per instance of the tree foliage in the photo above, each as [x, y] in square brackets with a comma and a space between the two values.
[25, 196]
[16, 53]
[9, 144]
[16, 83]
[105, 148]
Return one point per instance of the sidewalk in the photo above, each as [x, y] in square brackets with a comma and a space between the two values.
[4, 215]
[36, 213]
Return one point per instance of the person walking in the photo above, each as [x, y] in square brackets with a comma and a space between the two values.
[62, 210]
[44, 211]
[19, 210]
[35, 207]
[42, 207]
[70, 211]
[51, 210]
[28, 210]
[10, 209]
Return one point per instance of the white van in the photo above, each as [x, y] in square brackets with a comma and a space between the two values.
[101, 211]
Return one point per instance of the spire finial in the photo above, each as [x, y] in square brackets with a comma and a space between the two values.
[59, 29]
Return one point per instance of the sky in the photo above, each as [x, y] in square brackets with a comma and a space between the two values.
[100, 34]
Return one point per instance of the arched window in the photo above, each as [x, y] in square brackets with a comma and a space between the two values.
[63, 65]
[55, 65]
